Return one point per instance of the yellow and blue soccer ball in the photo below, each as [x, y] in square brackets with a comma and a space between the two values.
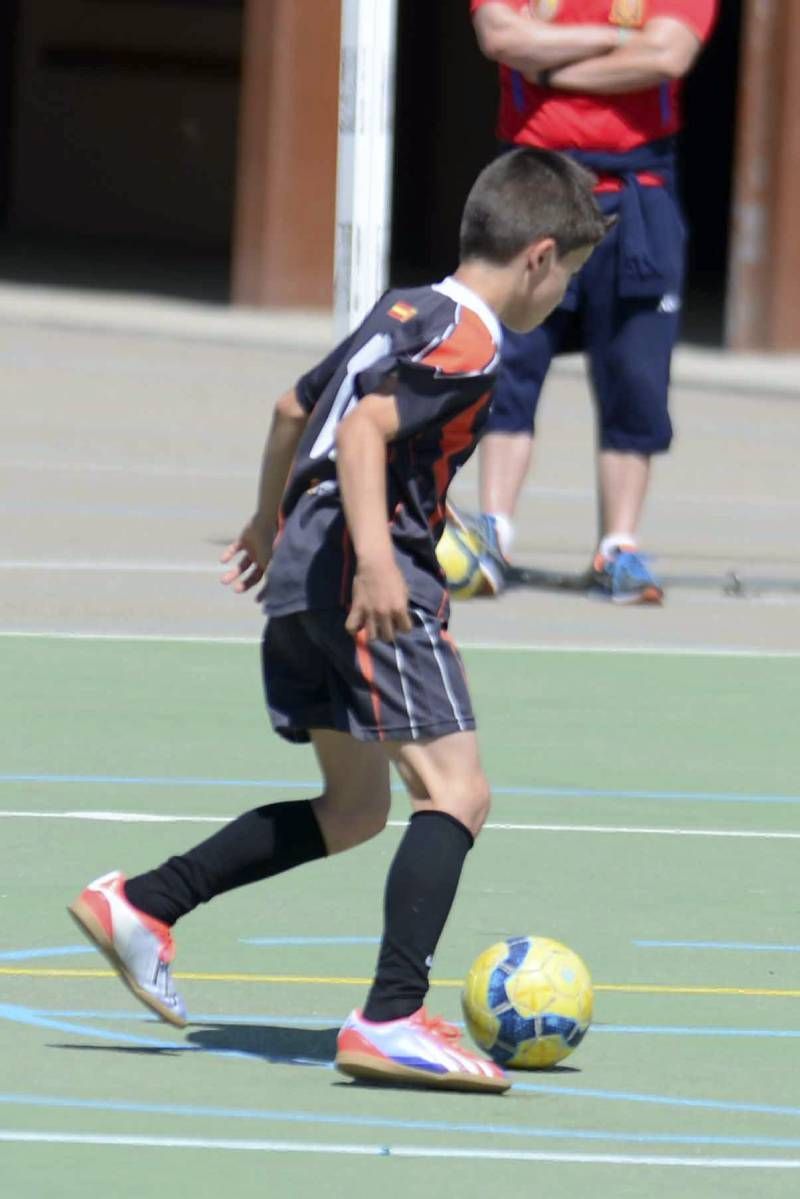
[528, 1002]
[459, 553]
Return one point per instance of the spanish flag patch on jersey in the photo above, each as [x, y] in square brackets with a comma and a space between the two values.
[402, 311]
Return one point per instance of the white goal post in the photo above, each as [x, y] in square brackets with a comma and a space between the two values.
[366, 144]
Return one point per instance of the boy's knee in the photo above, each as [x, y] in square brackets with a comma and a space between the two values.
[469, 801]
[482, 801]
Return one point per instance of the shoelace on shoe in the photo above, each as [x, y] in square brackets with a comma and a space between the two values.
[441, 1027]
[162, 980]
[634, 565]
[166, 953]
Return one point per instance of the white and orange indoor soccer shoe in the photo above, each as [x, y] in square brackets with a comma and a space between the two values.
[138, 947]
[422, 1050]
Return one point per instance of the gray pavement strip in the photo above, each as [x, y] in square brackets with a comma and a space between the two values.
[775, 374]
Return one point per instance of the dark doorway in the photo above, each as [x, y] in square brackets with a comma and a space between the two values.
[118, 123]
[9, 19]
[707, 151]
[446, 99]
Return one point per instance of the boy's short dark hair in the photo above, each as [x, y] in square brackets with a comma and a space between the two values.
[529, 194]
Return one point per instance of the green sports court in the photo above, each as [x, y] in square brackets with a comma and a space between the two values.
[645, 768]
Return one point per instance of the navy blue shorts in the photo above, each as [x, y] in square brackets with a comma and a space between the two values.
[629, 344]
[316, 676]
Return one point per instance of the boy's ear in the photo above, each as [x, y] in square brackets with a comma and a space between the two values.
[541, 253]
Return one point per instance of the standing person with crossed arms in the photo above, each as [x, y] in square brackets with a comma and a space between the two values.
[601, 80]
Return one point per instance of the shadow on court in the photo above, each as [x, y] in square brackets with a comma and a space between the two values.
[285, 1046]
[281, 1046]
[273, 1044]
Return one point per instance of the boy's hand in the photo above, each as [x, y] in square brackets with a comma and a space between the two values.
[254, 547]
[380, 603]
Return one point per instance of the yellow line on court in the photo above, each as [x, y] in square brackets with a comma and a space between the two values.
[333, 981]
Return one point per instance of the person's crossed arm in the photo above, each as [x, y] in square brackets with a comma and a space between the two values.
[664, 49]
[594, 58]
[517, 38]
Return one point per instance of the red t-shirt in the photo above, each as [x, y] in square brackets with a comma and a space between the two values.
[535, 116]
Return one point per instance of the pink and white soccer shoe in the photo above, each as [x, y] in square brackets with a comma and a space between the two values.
[138, 947]
[419, 1049]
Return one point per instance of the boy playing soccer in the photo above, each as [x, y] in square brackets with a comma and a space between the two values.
[356, 653]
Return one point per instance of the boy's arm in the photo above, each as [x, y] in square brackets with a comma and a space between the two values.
[665, 49]
[255, 542]
[525, 43]
[380, 596]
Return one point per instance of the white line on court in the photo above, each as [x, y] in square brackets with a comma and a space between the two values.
[108, 566]
[619, 829]
[159, 469]
[407, 1151]
[643, 831]
[516, 647]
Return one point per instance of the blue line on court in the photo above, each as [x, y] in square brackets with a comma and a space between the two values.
[309, 940]
[23, 1015]
[284, 784]
[30, 1017]
[751, 947]
[317, 1021]
[676, 1030]
[762, 1109]
[349, 1120]
[57, 951]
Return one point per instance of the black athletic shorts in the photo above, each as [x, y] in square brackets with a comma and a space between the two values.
[316, 676]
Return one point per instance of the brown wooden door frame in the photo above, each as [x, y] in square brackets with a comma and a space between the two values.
[764, 292]
[286, 179]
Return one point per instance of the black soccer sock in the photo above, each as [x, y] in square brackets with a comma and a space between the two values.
[259, 844]
[420, 890]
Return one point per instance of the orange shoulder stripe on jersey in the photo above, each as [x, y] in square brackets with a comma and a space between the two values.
[467, 350]
[455, 436]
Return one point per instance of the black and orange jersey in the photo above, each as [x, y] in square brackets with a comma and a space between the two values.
[441, 346]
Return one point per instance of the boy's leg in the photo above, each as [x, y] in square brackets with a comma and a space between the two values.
[354, 805]
[272, 839]
[394, 1039]
[130, 921]
[450, 796]
[412, 699]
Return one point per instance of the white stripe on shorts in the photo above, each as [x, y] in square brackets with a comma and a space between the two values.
[412, 720]
[430, 629]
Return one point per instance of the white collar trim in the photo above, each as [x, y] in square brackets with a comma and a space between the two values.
[462, 294]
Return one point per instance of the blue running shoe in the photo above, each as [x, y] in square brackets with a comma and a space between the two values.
[624, 577]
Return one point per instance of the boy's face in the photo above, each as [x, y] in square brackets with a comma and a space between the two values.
[543, 280]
